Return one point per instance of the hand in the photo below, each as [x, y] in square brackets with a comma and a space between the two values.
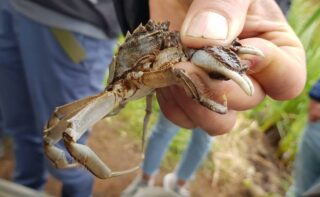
[281, 74]
[314, 111]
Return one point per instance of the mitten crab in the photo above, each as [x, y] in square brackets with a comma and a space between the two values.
[143, 63]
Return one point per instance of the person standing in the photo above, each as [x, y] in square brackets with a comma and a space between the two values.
[306, 167]
[51, 52]
[162, 134]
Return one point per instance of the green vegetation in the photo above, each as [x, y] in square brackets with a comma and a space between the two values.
[289, 117]
[241, 160]
[132, 118]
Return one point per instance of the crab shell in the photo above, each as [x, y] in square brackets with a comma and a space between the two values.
[145, 40]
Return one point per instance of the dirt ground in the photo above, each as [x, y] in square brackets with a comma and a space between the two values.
[121, 151]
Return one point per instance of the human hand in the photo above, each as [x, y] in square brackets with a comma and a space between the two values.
[314, 111]
[281, 74]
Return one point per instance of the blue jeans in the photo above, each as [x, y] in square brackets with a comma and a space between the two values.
[162, 134]
[307, 163]
[36, 76]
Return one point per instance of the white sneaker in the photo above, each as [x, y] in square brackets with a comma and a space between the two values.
[170, 184]
[136, 184]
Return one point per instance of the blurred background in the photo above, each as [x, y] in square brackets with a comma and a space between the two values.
[255, 159]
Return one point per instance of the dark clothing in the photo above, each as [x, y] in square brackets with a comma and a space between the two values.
[132, 12]
[129, 13]
[284, 5]
[100, 13]
[315, 92]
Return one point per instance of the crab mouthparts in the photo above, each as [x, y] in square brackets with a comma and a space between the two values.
[210, 64]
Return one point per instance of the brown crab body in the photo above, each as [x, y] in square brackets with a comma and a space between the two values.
[144, 62]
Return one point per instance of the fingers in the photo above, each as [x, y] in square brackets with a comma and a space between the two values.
[213, 22]
[263, 16]
[216, 89]
[169, 10]
[282, 72]
[171, 110]
[184, 111]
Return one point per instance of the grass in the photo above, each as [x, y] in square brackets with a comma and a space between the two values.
[290, 117]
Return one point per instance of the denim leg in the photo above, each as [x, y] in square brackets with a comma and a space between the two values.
[307, 171]
[17, 111]
[198, 148]
[162, 134]
[47, 78]
[61, 81]
[19, 123]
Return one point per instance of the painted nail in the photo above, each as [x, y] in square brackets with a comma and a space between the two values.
[209, 25]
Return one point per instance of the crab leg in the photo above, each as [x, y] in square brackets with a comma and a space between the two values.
[158, 79]
[91, 113]
[237, 47]
[248, 50]
[192, 90]
[56, 125]
[170, 76]
[84, 155]
[60, 123]
[83, 120]
[146, 118]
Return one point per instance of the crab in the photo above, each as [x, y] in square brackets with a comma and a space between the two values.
[143, 63]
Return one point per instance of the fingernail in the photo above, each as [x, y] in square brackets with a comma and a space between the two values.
[209, 25]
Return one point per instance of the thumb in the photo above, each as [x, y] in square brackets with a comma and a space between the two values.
[213, 22]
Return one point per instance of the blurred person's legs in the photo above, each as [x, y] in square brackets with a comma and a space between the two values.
[196, 152]
[36, 76]
[161, 136]
[18, 114]
[307, 162]
[158, 142]
[198, 148]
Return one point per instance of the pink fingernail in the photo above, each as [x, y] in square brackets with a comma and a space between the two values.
[209, 25]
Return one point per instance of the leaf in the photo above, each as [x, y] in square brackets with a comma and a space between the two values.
[313, 19]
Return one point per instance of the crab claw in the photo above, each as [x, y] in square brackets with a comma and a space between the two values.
[211, 63]
[248, 50]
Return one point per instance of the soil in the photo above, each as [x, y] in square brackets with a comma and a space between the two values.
[121, 151]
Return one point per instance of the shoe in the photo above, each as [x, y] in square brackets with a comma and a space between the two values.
[170, 184]
[137, 183]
